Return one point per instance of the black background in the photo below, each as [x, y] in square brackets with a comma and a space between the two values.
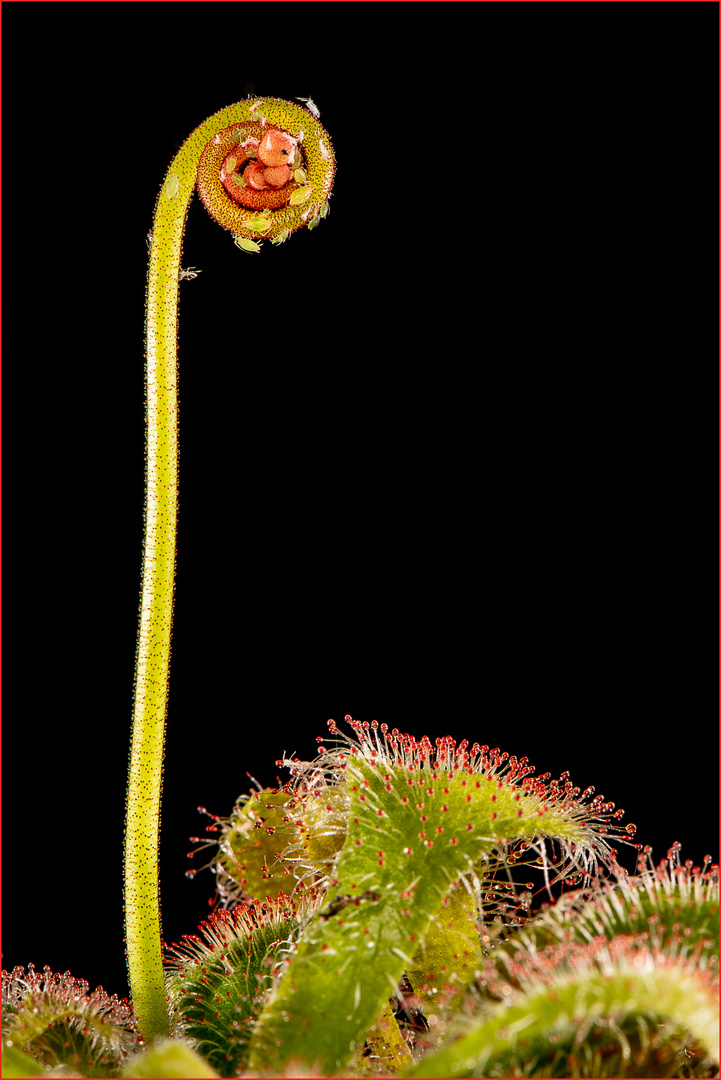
[448, 461]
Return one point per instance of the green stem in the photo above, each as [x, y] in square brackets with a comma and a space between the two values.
[142, 900]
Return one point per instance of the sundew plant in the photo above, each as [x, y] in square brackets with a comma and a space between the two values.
[373, 913]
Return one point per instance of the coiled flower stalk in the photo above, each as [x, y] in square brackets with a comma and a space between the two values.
[264, 168]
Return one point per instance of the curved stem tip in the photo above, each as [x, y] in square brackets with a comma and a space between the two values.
[264, 168]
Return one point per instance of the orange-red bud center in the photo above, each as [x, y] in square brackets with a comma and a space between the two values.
[265, 178]
[278, 176]
[254, 175]
[277, 148]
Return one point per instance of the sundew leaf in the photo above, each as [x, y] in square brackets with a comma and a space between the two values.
[672, 902]
[250, 863]
[418, 819]
[673, 906]
[58, 1021]
[218, 981]
[617, 1008]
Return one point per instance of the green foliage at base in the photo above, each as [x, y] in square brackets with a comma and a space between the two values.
[407, 948]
